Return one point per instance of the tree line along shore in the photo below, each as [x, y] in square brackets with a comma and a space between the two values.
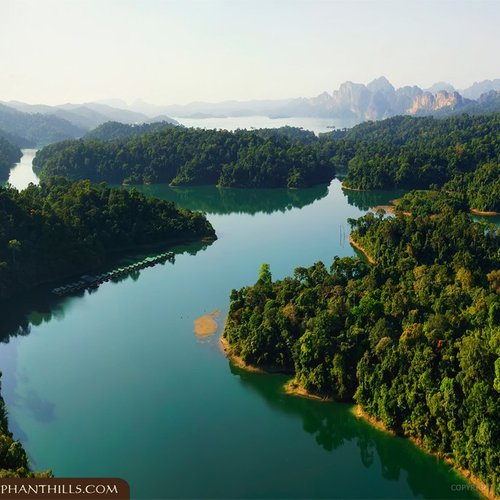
[459, 154]
[413, 338]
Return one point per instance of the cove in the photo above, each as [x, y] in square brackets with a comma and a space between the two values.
[115, 382]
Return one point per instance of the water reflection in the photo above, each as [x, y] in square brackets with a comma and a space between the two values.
[213, 200]
[21, 175]
[364, 200]
[332, 425]
[40, 306]
[40, 409]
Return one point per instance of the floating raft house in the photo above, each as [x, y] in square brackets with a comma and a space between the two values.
[91, 282]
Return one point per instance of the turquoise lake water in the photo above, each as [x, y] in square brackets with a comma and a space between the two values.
[115, 382]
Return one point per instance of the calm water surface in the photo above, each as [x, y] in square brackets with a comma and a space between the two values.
[22, 174]
[317, 125]
[115, 383]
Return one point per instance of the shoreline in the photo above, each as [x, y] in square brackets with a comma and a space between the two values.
[240, 363]
[347, 188]
[292, 388]
[109, 258]
[234, 358]
[355, 244]
[359, 413]
[481, 487]
[388, 209]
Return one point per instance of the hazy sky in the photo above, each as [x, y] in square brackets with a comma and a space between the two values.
[177, 51]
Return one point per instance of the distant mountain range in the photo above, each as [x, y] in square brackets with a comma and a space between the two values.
[377, 100]
[29, 125]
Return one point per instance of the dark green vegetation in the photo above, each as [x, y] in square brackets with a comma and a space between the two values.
[13, 459]
[413, 339]
[416, 153]
[116, 130]
[214, 200]
[401, 152]
[61, 228]
[35, 129]
[265, 158]
[479, 189]
[9, 154]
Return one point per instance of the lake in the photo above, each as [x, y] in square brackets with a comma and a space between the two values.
[115, 383]
[317, 125]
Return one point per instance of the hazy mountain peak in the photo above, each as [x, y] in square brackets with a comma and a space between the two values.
[381, 84]
[436, 87]
[114, 102]
[478, 88]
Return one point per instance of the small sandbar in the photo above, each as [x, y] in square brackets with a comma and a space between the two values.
[206, 325]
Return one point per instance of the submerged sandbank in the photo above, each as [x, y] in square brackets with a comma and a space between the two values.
[206, 325]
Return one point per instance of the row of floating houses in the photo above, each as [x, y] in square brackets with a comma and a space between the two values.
[88, 282]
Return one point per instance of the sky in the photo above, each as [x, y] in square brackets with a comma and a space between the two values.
[179, 51]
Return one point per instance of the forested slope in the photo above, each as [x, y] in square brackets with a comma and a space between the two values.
[414, 339]
[115, 130]
[35, 129]
[9, 154]
[416, 153]
[61, 228]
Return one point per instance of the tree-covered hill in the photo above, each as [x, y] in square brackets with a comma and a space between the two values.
[35, 129]
[183, 156]
[9, 154]
[115, 130]
[416, 153]
[17, 140]
[414, 339]
[61, 228]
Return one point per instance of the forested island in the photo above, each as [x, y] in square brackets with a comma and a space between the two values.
[414, 338]
[116, 130]
[181, 156]
[460, 153]
[61, 228]
[9, 154]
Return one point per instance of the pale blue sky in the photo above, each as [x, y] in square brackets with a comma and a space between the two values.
[170, 51]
